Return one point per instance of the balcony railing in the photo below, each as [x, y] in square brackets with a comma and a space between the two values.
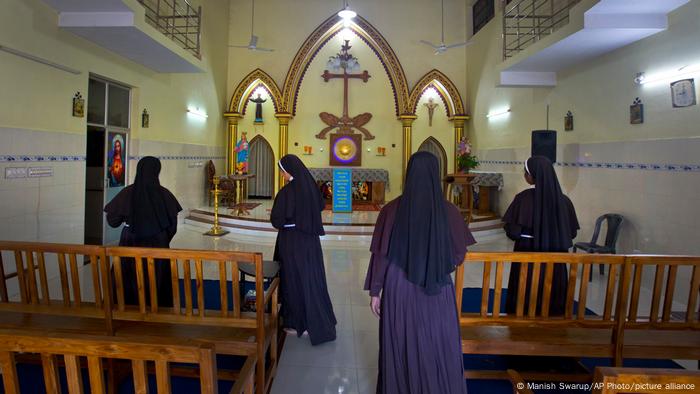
[527, 21]
[177, 19]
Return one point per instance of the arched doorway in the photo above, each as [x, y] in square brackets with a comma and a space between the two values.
[261, 163]
[433, 146]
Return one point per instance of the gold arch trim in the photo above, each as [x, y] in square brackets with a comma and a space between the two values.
[256, 78]
[323, 33]
[445, 88]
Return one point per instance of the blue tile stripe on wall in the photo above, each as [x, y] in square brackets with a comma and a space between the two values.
[612, 166]
[72, 158]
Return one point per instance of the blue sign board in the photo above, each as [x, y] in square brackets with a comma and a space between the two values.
[342, 190]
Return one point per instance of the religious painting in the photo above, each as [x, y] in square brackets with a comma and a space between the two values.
[78, 105]
[683, 93]
[116, 160]
[637, 112]
[569, 121]
[346, 150]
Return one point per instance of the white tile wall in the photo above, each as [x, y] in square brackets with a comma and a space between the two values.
[51, 209]
[660, 207]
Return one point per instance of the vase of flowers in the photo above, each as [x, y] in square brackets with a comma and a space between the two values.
[465, 160]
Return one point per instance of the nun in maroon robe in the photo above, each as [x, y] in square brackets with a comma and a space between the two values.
[296, 214]
[418, 241]
[149, 213]
[540, 219]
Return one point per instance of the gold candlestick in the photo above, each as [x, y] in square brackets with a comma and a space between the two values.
[216, 230]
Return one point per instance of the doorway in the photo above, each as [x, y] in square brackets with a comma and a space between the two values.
[435, 147]
[106, 155]
[261, 164]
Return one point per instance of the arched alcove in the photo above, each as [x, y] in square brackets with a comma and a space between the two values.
[261, 163]
[435, 147]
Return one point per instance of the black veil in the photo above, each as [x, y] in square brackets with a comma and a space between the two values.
[421, 243]
[307, 196]
[552, 226]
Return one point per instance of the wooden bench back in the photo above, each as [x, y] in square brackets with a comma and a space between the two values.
[667, 279]
[192, 264]
[25, 270]
[76, 348]
[579, 268]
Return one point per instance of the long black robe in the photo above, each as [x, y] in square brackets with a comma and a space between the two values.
[159, 232]
[519, 220]
[306, 305]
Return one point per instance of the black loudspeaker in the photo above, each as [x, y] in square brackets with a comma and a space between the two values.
[544, 143]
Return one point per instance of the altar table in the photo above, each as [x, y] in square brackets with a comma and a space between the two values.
[377, 178]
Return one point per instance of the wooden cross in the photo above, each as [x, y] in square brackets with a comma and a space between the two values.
[345, 123]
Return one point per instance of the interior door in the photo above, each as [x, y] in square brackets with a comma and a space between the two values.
[107, 161]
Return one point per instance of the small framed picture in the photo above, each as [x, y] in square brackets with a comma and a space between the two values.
[78, 105]
[145, 119]
[637, 112]
[683, 93]
[569, 121]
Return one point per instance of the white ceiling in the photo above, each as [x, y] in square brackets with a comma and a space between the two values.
[87, 5]
[110, 24]
[636, 6]
[137, 46]
[608, 25]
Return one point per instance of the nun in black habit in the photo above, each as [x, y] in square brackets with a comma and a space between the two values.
[149, 213]
[419, 239]
[296, 214]
[540, 219]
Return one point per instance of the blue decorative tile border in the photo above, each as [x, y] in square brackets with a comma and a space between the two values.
[180, 157]
[72, 158]
[613, 166]
[39, 158]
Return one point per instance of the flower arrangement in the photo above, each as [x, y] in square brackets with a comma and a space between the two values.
[465, 160]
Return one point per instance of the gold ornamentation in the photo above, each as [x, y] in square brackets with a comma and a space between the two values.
[445, 88]
[320, 37]
[247, 86]
[216, 230]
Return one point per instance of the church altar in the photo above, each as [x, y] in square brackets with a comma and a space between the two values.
[376, 179]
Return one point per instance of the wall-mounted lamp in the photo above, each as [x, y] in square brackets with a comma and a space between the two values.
[643, 79]
[197, 112]
[498, 113]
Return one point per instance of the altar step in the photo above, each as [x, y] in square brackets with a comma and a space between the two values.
[251, 229]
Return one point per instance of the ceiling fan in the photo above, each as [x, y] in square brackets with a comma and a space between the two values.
[253, 44]
[442, 47]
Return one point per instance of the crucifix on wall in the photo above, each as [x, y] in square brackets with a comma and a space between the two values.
[345, 64]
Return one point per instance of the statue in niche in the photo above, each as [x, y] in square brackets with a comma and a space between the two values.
[431, 105]
[258, 108]
[242, 154]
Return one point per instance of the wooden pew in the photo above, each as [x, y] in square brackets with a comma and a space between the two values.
[70, 351]
[608, 380]
[29, 299]
[232, 332]
[40, 305]
[661, 333]
[575, 334]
